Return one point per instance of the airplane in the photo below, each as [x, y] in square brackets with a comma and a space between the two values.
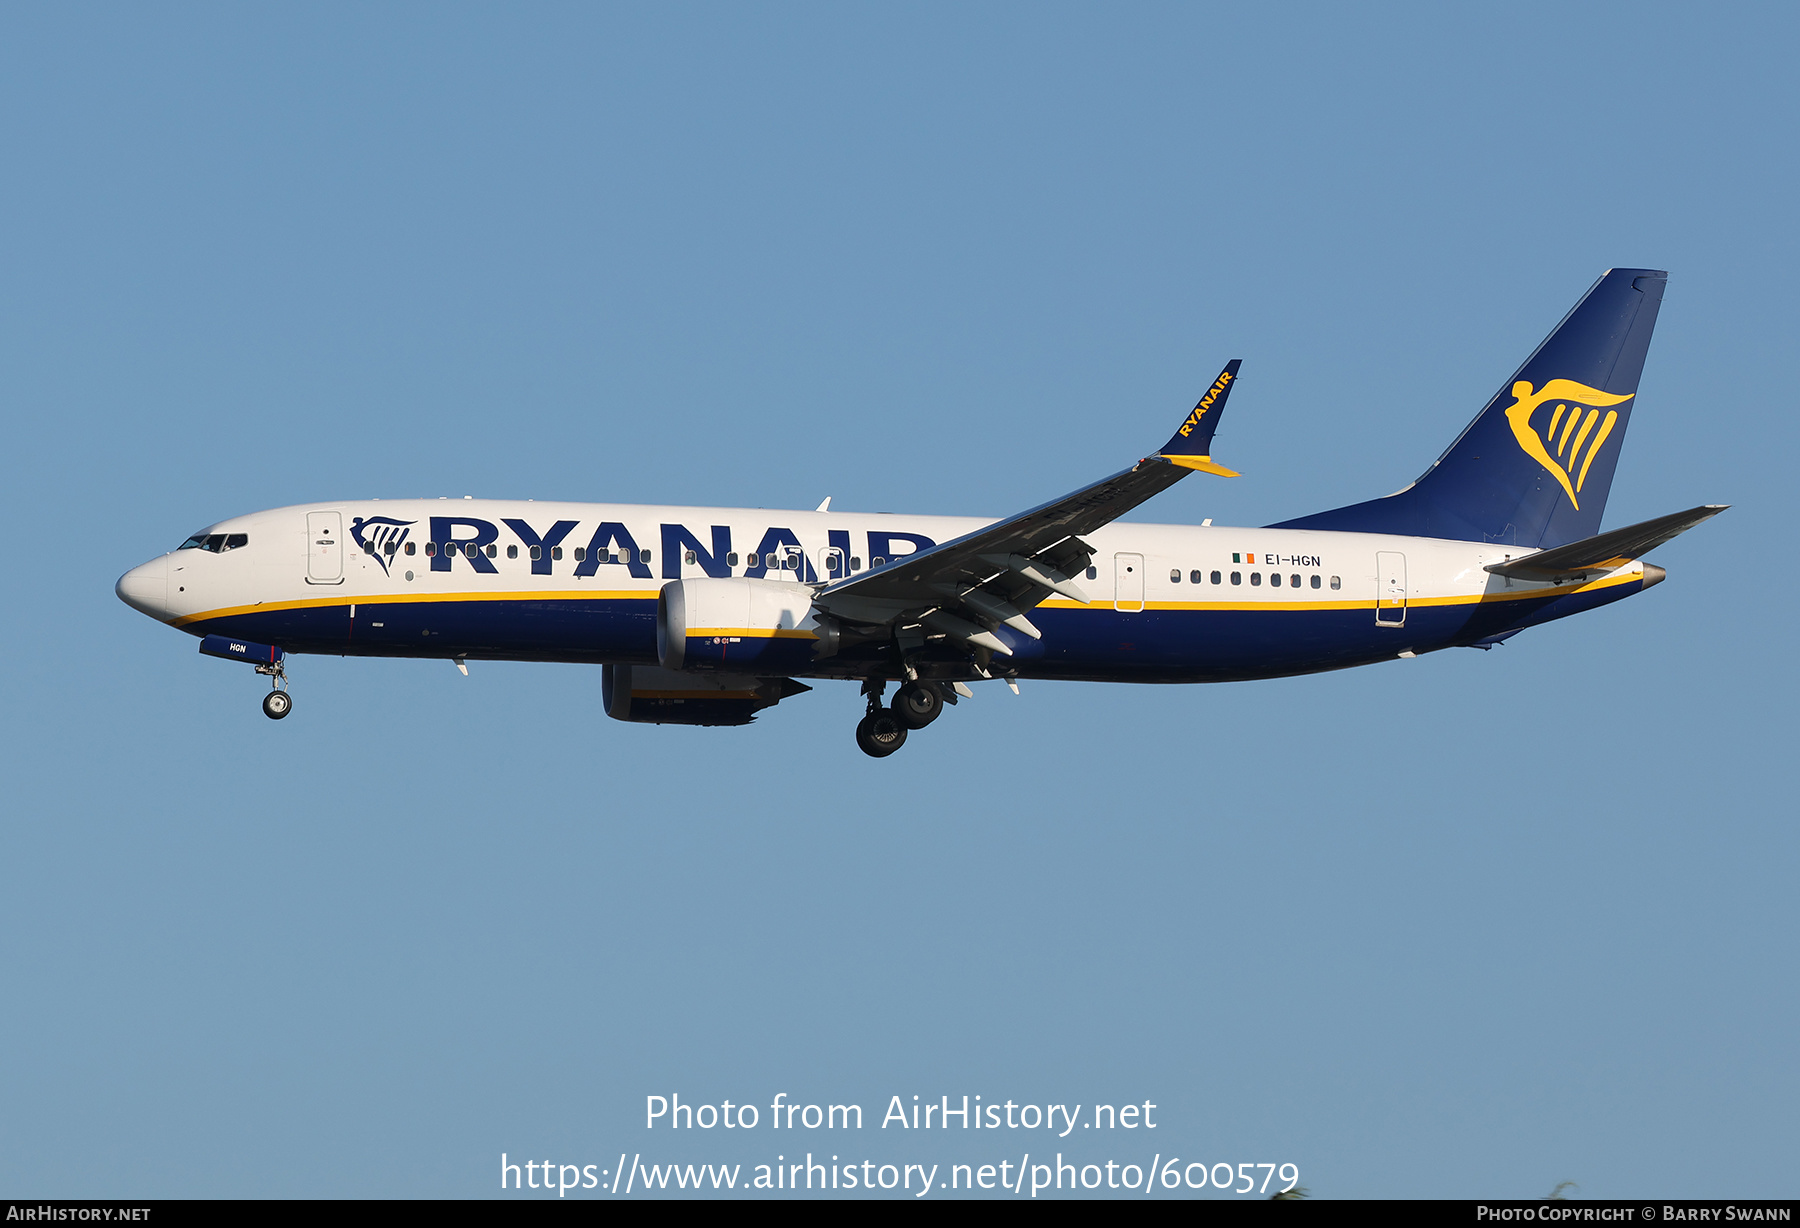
[707, 616]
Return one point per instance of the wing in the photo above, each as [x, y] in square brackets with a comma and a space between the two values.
[967, 588]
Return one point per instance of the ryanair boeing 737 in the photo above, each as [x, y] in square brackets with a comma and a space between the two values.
[704, 616]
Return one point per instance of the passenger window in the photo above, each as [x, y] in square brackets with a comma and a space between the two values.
[1237, 577]
[688, 558]
[1274, 580]
[410, 547]
[1215, 578]
[537, 552]
[471, 550]
[1336, 583]
[389, 548]
[1315, 582]
[1255, 578]
[555, 552]
[1293, 581]
[731, 559]
[1093, 573]
[512, 552]
[430, 550]
[879, 561]
[492, 550]
[855, 563]
[581, 554]
[643, 556]
[1196, 577]
[1175, 575]
[243, 539]
[751, 558]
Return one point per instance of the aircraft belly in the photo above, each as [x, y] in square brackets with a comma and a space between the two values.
[1222, 645]
[621, 630]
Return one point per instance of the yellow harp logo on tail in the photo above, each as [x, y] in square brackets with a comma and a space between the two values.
[1569, 442]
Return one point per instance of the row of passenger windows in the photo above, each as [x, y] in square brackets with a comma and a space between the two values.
[471, 550]
[1294, 580]
[218, 543]
[779, 562]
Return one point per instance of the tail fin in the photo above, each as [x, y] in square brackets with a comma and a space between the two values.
[1535, 466]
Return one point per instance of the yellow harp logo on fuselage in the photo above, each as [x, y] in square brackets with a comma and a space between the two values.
[1560, 448]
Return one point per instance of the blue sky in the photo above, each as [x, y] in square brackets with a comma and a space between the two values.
[1471, 924]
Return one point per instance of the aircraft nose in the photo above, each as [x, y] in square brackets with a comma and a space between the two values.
[146, 588]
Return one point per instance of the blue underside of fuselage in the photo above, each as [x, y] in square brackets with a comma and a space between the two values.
[1209, 645]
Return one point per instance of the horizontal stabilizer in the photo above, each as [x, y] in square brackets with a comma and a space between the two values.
[1606, 551]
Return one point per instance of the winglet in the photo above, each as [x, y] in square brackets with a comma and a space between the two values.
[1191, 445]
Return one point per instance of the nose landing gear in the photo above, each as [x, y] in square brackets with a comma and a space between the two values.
[277, 703]
[268, 661]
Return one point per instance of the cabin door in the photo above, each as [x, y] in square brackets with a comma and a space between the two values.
[1128, 583]
[324, 548]
[1390, 589]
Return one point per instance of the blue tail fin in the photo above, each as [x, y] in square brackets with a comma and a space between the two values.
[1535, 466]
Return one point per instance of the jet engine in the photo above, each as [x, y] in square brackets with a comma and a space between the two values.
[740, 625]
[647, 695]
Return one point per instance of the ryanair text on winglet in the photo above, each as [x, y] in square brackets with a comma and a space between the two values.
[1206, 403]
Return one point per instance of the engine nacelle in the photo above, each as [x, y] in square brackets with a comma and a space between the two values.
[740, 625]
[654, 696]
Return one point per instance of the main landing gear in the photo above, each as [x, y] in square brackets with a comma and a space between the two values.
[277, 703]
[883, 730]
[917, 704]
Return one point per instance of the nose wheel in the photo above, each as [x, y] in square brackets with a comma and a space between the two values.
[277, 703]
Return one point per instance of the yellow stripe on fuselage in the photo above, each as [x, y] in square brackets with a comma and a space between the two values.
[749, 633]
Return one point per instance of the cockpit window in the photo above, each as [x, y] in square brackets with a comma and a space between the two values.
[217, 543]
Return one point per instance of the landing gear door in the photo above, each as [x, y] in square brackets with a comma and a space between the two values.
[1390, 589]
[324, 548]
[1128, 583]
